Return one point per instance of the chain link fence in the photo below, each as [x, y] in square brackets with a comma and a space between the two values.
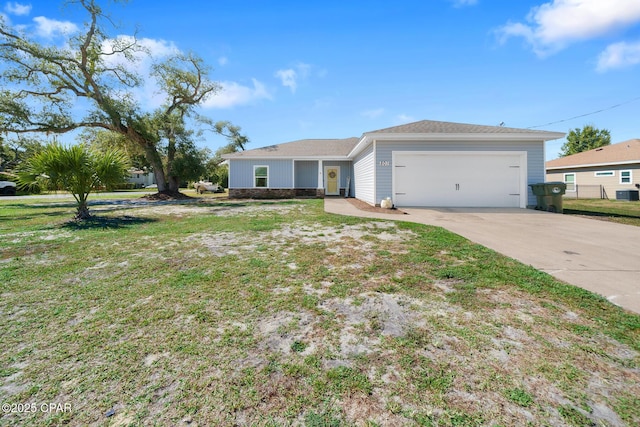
[587, 192]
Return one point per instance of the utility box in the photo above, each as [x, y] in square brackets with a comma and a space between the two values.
[549, 195]
[629, 195]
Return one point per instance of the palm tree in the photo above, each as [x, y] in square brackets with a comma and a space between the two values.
[76, 169]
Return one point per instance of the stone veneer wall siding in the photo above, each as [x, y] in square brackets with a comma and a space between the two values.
[274, 193]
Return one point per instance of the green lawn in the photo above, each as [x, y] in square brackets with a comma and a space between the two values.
[214, 312]
[607, 210]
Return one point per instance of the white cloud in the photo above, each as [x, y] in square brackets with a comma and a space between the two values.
[289, 78]
[619, 55]
[149, 93]
[223, 60]
[372, 114]
[403, 118]
[147, 51]
[233, 94]
[230, 94]
[303, 69]
[554, 25]
[157, 48]
[16, 8]
[50, 28]
[463, 3]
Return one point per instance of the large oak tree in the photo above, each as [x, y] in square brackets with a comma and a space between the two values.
[42, 84]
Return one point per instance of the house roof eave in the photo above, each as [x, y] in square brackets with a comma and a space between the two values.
[480, 137]
[515, 137]
[299, 158]
[594, 165]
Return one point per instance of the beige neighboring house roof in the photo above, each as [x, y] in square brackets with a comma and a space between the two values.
[304, 148]
[627, 152]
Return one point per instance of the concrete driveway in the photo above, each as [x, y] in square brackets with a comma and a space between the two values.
[599, 256]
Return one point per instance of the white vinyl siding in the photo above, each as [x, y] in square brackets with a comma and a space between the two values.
[364, 176]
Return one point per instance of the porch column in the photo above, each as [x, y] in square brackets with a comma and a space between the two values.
[320, 176]
[293, 174]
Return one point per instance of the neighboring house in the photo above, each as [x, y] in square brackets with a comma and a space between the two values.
[141, 178]
[599, 172]
[426, 163]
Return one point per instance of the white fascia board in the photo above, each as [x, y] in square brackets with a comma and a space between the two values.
[593, 165]
[361, 145]
[325, 158]
[329, 158]
[515, 137]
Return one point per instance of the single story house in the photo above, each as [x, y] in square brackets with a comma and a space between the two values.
[426, 163]
[600, 172]
[141, 178]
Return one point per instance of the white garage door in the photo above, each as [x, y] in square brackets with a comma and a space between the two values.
[459, 179]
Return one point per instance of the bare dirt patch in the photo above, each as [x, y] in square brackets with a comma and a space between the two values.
[168, 195]
[339, 241]
[259, 314]
[364, 206]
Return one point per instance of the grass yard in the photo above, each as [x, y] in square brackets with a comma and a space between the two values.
[606, 210]
[222, 313]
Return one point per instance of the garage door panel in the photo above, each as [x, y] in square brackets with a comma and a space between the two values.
[457, 180]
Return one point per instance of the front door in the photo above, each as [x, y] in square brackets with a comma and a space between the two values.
[332, 180]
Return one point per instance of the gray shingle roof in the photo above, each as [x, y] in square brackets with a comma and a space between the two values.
[431, 126]
[337, 148]
[302, 148]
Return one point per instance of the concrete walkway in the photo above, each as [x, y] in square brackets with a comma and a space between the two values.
[602, 257]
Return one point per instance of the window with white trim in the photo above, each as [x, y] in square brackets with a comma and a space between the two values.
[261, 176]
[604, 173]
[626, 177]
[570, 180]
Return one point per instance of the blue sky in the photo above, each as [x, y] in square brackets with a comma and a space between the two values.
[331, 69]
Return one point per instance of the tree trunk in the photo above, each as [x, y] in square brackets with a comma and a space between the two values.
[158, 172]
[158, 168]
[174, 184]
[83, 211]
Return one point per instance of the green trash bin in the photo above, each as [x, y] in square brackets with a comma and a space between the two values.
[549, 195]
